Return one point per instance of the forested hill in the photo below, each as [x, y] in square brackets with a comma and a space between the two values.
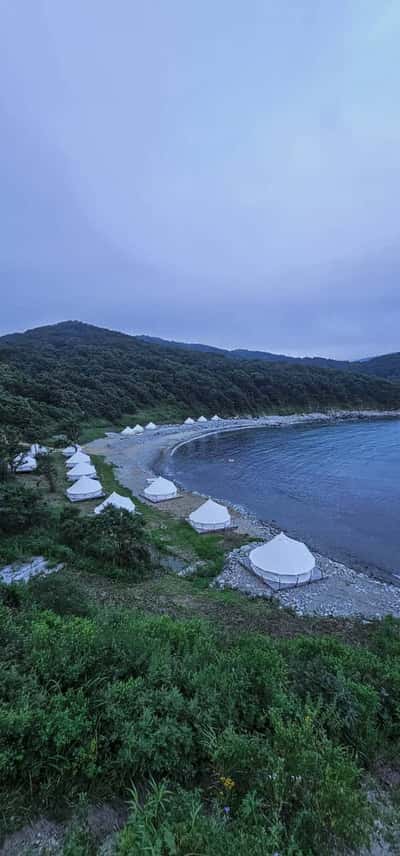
[50, 374]
[387, 365]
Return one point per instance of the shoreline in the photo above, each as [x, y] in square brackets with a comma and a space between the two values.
[140, 458]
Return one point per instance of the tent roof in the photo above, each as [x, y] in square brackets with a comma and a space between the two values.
[127, 430]
[84, 468]
[189, 421]
[160, 486]
[25, 462]
[283, 555]
[202, 419]
[137, 429]
[85, 485]
[151, 425]
[210, 512]
[118, 501]
[70, 450]
[37, 449]
[78, 458]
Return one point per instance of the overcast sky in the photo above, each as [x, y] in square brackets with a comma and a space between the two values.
[225, 172]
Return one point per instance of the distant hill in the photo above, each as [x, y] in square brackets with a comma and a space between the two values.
[71, 369]
[387, 365]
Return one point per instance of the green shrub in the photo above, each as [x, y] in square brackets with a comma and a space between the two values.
[115, 538]
[92, 703]
[21, 507]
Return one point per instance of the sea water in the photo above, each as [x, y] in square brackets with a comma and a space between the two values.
[335, 486]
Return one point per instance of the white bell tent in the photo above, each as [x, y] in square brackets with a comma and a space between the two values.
[160, 489]
[210, 517]
[282, 560]
[70, 450]
[37, 449]
[138, 429]
[84, 488]
[78, 458]
[150, 426]
[189, 421]
[116, 501]
[127, 431]
[202, 419]
[25, 464]
[80, 470]
[215, 418]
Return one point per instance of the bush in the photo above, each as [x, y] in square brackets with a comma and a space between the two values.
[58, 593]
[21, 508]
[115, 538]
[91, 704]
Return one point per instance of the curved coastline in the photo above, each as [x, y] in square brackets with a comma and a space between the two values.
[140, 458]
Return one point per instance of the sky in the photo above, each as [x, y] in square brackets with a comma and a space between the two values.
[221, 172]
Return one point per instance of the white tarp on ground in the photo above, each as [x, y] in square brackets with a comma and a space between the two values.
[160, 489]
[202, 419]
[80, 470]
[70, 450]
[78, 458]
[138, 429]
[17, 573]
[150, 426]
[25, 464]
[117, 501]
[210, 516]
[84, 488]
[189, 421]
[283, 560]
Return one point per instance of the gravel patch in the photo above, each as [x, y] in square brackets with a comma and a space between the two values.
[340, 591]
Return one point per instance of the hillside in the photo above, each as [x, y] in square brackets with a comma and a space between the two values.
[386, 366]
[73, 369]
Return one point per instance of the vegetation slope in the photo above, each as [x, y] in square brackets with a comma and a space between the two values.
[230, 726]
[51, 374]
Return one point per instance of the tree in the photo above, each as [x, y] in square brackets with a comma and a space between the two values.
[47, 468]
[21, 508]
[10, 449]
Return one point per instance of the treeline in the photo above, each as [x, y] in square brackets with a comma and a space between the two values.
[74, 370]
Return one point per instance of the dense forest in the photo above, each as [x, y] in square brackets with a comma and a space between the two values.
[75, 370]
[386, 366]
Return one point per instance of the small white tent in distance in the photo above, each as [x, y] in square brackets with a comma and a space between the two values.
[126, 432]
[80, 470]
[138, 429]
[160, 489]
[37, 449]
[84, 488]
[78, 458]
[283, 561]
[116, 501]
[202, 419]
[210, 517]
[215, 418]
[70, 450]
[189, 421]
[150, 426]
[25, 464]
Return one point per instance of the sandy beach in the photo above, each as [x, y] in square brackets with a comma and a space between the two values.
[342, 591]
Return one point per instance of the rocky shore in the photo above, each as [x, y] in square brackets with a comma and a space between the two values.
[341, 591]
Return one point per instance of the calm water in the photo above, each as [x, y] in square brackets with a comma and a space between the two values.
[336, 486]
